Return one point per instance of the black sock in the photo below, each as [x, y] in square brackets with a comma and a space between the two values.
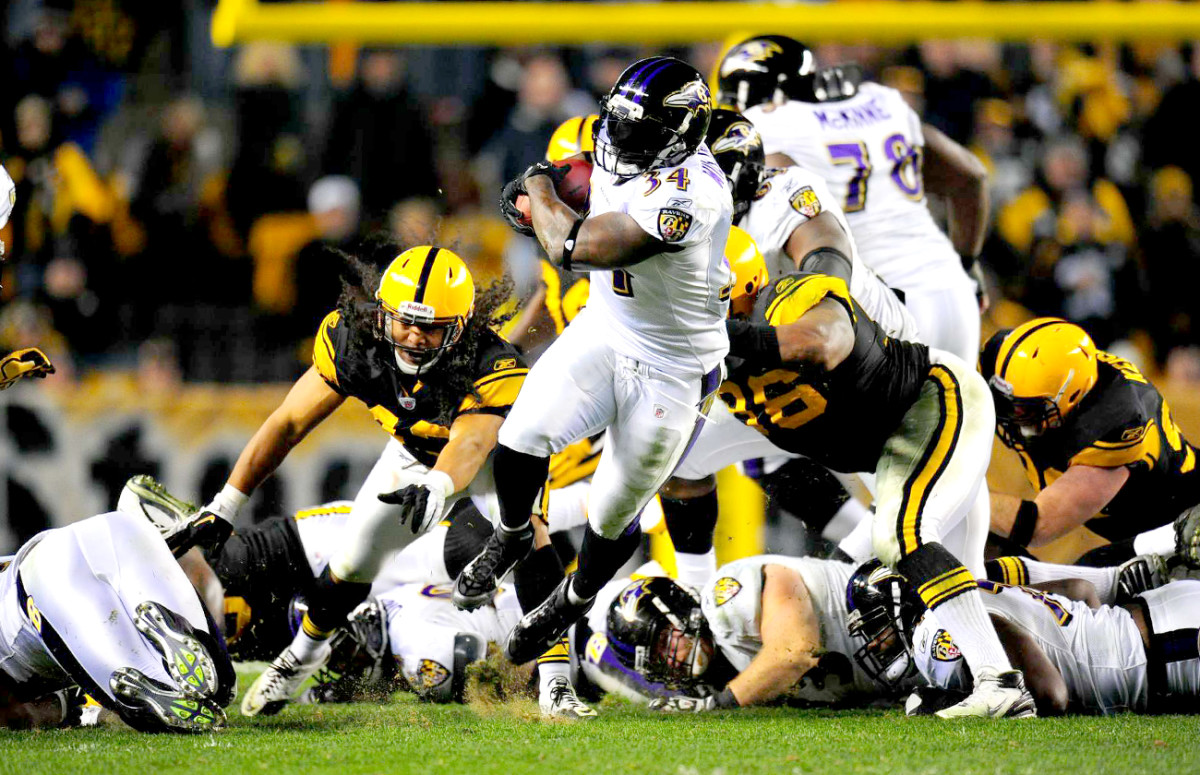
[332, 601]
[518, 478]
[1109, 555]
[600, 558]
[691, 522]
[808, 490]
[536, 577]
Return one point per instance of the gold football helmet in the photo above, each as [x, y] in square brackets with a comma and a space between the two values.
[1038, 372]
[749, 270]
[429, 288]
[573, 137]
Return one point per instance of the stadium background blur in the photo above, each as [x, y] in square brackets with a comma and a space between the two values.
[179, 209]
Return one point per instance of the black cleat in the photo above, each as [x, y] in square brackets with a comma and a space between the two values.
[164, 707]
[477, 583]
[204, 529]
[185, 657]
[1187, 537]
[542, 627]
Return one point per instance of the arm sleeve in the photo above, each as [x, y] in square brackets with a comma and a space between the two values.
[797, 294]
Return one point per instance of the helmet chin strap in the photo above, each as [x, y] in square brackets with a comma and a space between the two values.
[413, 369]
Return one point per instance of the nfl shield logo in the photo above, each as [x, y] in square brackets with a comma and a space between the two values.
[673, 224]
[407, 403]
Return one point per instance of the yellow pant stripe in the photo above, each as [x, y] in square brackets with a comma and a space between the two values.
[559, 652]
[948, 585]
[933, 461]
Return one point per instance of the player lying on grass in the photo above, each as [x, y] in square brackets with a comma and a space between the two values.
[415, 344]
[101, 604]
[1078, 656]
[407, 634]
[767, 627]
[816, 375]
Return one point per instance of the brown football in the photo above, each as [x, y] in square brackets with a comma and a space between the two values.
[573, 189]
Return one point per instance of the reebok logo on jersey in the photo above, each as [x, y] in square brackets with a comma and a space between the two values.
[726, 589]
[806, 203]
[673, 224]
[505, 363]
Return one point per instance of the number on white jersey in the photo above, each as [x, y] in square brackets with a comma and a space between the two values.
[905, 159]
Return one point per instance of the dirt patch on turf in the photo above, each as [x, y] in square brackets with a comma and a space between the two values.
[496, 687]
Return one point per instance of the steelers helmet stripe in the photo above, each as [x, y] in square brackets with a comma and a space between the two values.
[1016, 342]
[426, 270]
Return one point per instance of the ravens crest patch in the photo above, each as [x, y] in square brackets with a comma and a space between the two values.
[429, 675]
[806, 203]
[726, 589]
[944, 649]
[673, 224]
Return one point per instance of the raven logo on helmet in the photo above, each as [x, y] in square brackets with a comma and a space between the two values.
[750, 56]
[627, 604]
[736, 135]
[692, 97]
[726, 589]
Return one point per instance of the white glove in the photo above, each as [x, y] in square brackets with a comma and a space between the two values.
[681, 704]
[422, 502]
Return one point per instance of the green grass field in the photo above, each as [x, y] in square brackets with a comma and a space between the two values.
[407, 736]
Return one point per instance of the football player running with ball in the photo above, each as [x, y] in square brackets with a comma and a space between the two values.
[643, 359]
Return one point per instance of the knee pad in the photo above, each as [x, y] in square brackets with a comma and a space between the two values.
[806, 489]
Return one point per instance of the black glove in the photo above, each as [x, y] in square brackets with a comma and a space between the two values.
[508, 205]
[422, 503]
[553, 171]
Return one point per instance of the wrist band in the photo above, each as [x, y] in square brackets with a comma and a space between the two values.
[569, 244]
[1025, 524]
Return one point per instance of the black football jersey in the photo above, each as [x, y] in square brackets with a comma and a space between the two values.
[566, 293]
[403, 405]
[840, 418]
[1122, 421]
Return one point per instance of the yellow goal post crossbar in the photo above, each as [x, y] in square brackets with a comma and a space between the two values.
[665, 23]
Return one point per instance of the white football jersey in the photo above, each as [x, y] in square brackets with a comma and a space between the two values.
[788, 198]
[1174, 611]
[868, 148]
[732, 605]
[1098, 652]
[669, 310]
[8, 196]
[423, 621]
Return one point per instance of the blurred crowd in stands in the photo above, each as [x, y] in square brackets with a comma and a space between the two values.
[180, 209]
